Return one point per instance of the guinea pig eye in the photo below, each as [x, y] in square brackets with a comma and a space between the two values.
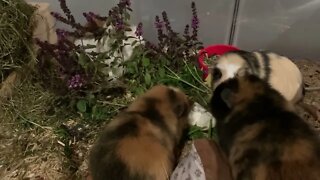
[216, 74]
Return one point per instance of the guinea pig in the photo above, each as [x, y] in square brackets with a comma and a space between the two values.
[279, 71]
[262, 136]
[142, 141]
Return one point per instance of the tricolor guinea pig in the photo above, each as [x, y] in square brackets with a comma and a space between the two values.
[263, 138]
[279, 71]
[142, 141]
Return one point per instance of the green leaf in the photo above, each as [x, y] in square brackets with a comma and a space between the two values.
[91, 98]
[127, 24]
[126, 16]
[139, 90]
[131, 37]
[96, 112]
[82, 105]
[147, 51]
[93, 111]
[134, 43]
[162, 72]
[196, 132]
[167, 62]
[83, 59]
[102, 56]
[145, 62]
[147, 79]
[105, 71]
[130, 69]
[135, 65]
[89, 46]
[114, 63]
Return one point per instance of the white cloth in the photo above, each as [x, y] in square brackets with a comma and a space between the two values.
[190, 167]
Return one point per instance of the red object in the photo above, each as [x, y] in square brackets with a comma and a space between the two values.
[219, 49]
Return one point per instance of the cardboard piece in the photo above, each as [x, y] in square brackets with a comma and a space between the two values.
[44, 23]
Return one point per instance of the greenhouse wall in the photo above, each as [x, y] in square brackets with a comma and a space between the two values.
[289, 27]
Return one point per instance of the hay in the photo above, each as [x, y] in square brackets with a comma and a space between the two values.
[16, 28]
[29, 130]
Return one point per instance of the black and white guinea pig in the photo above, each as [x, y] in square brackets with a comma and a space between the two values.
[279, 71]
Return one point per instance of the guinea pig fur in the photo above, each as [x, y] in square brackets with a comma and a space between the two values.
[261, 135]
[282, 74]
[279, 71]
[140, 143]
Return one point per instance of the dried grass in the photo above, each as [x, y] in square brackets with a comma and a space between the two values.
[16, 28]
[26, 128]
[28, 145]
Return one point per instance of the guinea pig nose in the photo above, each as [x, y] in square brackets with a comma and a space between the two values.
[216, 74]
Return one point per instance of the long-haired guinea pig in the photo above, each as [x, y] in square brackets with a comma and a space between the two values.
[279, 71]
[260, 133]
[140, 143]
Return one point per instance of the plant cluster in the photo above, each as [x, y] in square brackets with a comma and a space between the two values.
[80, 77]
[172, 60]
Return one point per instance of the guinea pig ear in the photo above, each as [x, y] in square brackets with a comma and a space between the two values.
[191, 102]
[179, 109]
[228, 97]
[182, 108]
[243, 72]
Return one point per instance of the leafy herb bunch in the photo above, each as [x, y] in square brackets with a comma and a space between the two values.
[79, 74]
[172, 60]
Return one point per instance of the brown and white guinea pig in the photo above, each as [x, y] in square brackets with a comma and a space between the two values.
[279, 71]
[140, 143]
[260, 133]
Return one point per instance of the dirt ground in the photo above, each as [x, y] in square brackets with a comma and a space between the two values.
[311, 75]
[37, 153]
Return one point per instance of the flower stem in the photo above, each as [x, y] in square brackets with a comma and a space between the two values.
[190, 71]
[176, 77]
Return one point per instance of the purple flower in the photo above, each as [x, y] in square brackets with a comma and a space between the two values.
[75, 82]
[195, 21]
[46, 47]
[66, 21]
[97, 16]
[62, 55]
[114, 12]
[159, 26]
[70, 20]
[119, 24]
[63, 43]
[151, 45]
[194, 9]
[89, 18]
[62, 34]
[158, 23]
[155, 50]
[125, 2]
[56, 15]
[66, 11]
[139, 30]
[166, 21]
[117, 19]
[186, 30]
